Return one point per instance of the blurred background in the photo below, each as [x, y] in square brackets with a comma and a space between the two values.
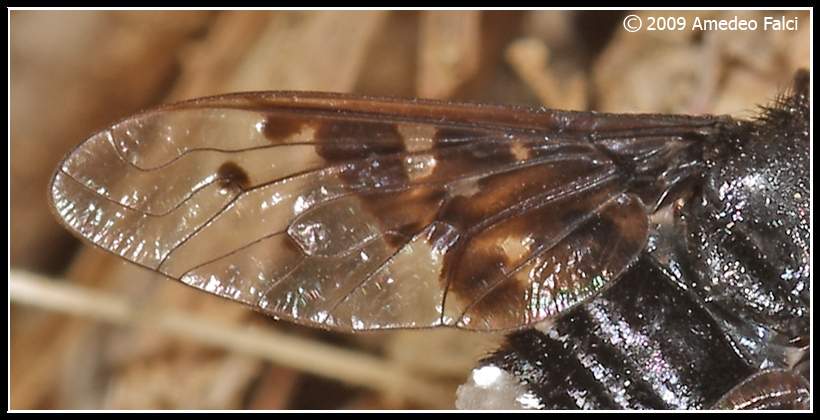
[75, 72]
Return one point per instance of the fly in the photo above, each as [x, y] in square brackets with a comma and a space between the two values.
[355, 213]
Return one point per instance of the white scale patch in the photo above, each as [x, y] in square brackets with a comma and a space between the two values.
[417, 137]
[419, 167]
[519, 151]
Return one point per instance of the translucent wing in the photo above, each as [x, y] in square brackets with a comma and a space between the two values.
[361, 213]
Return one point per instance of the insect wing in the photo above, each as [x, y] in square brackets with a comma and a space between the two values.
[358, 213]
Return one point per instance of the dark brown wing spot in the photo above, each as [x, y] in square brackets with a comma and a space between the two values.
[532, 266]
[341, 140]
[496, 193]
[232, 176]
[279, 127]
[405, 213]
